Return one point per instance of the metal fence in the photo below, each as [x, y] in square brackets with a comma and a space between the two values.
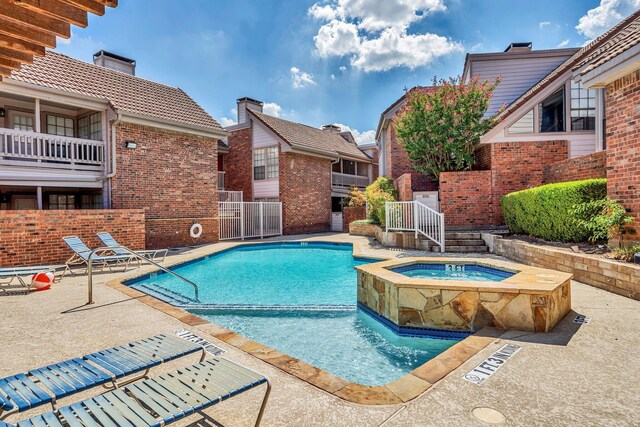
[416, 217]
[243, 220]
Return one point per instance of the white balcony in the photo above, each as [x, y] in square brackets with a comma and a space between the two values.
[39, 150]
[348, 181]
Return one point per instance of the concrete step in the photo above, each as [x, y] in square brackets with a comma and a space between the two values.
[464, 242]
[461, 235]
[466, 249]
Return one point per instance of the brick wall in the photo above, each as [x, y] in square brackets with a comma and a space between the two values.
[411, 182]
[173, 177]
[520, 165]
[305, 193]
[35, 237]
[353, 213]
[466, 198]
[583, 167]
[403, 185]
[239, 163]
[397, 159]
[513, 166]
[623, 144]
[482, 157]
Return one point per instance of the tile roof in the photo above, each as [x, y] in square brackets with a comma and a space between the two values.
[127, 93]
[618, 39]
[308, 138]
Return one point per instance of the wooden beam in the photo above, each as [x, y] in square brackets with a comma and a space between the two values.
[25, 58]
[35, 20]
[5, 71]
[19, 45]
[92, 6]
[8, 63]
[56, 9]
[11, 28]
[110, 3]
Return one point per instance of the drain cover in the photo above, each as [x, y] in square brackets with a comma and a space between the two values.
[489, 415]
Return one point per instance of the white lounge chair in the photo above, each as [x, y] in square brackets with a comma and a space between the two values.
[10, 275]
[81, 253]
[110, 242]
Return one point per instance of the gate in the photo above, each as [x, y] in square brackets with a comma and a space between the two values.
[243, 220]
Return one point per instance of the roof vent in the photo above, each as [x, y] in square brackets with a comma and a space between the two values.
[115, 62]
[332, 128]
[519, 47]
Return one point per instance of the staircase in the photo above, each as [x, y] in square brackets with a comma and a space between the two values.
[464, 242]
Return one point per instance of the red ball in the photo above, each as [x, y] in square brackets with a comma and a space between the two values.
[42, 281]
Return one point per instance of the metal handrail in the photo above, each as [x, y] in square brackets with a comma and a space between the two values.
[104, 249]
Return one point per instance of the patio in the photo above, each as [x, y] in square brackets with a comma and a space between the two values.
[574, 375]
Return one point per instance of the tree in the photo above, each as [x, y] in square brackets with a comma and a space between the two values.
[440, 126]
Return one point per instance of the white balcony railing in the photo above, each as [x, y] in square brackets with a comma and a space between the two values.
[51, 151]
[229, 196]
[416, 217]
[345, 180]
[220, 180]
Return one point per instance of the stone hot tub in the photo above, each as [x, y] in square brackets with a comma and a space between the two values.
[464, 294]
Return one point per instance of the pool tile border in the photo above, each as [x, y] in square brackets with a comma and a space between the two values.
[402, 390]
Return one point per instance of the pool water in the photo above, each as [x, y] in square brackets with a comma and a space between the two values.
[266, 275]
[474, 273]
[301, 300]
[349, 344]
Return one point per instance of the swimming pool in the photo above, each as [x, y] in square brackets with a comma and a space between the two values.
[300, 299]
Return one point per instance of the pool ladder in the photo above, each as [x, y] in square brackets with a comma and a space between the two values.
[135, 255]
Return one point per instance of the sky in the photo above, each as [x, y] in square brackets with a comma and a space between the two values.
[326, 61]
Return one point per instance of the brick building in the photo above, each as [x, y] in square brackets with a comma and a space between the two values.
[309, 170]
[96, 138]
[565, 107]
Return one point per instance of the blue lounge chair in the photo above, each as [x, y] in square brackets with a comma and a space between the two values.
[81, 253]
[106, 367]
[110, 242]
[158, 401]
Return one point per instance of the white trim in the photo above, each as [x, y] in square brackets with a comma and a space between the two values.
[16, 87]
[170, 125]
[623, 64]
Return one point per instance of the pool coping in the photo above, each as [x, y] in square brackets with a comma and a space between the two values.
[402, 390]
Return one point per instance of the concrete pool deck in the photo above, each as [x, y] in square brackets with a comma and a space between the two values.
[574, 375]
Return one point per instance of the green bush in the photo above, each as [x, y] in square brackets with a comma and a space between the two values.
[377, 194]
[548, 212]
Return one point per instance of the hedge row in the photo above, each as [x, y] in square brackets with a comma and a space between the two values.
[545, 211]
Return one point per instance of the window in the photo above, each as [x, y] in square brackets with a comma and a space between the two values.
[23, 122]
[363, 169]
[552, 113]
[62, 201]
[348, 167]
[58, 125]
[583, 107]
[90, 127]
[265, 163]
[91, 201]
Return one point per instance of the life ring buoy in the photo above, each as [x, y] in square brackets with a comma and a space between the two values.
[196, 230]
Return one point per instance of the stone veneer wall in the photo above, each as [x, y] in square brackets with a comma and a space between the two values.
[173, 177]
[620, 278]
[32, 237]
[463, 310]
[305, 193]
[623, 144]
[583, 167]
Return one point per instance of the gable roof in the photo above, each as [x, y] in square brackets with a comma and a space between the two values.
[390, 112]
[125, 92]
[307, 138]
[621, 37]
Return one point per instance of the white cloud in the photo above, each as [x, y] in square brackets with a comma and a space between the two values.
[226, 122]
[476, 47]
[333, 76]
[365, 137]
[606, 15]
[300, 79]
[544, 24]
[563, 43]
[396, 48]
[337, 38]
[272, 109]
[343, 68]
[375, 34]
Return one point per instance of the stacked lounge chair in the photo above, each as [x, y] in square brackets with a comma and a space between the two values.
[131, 402]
